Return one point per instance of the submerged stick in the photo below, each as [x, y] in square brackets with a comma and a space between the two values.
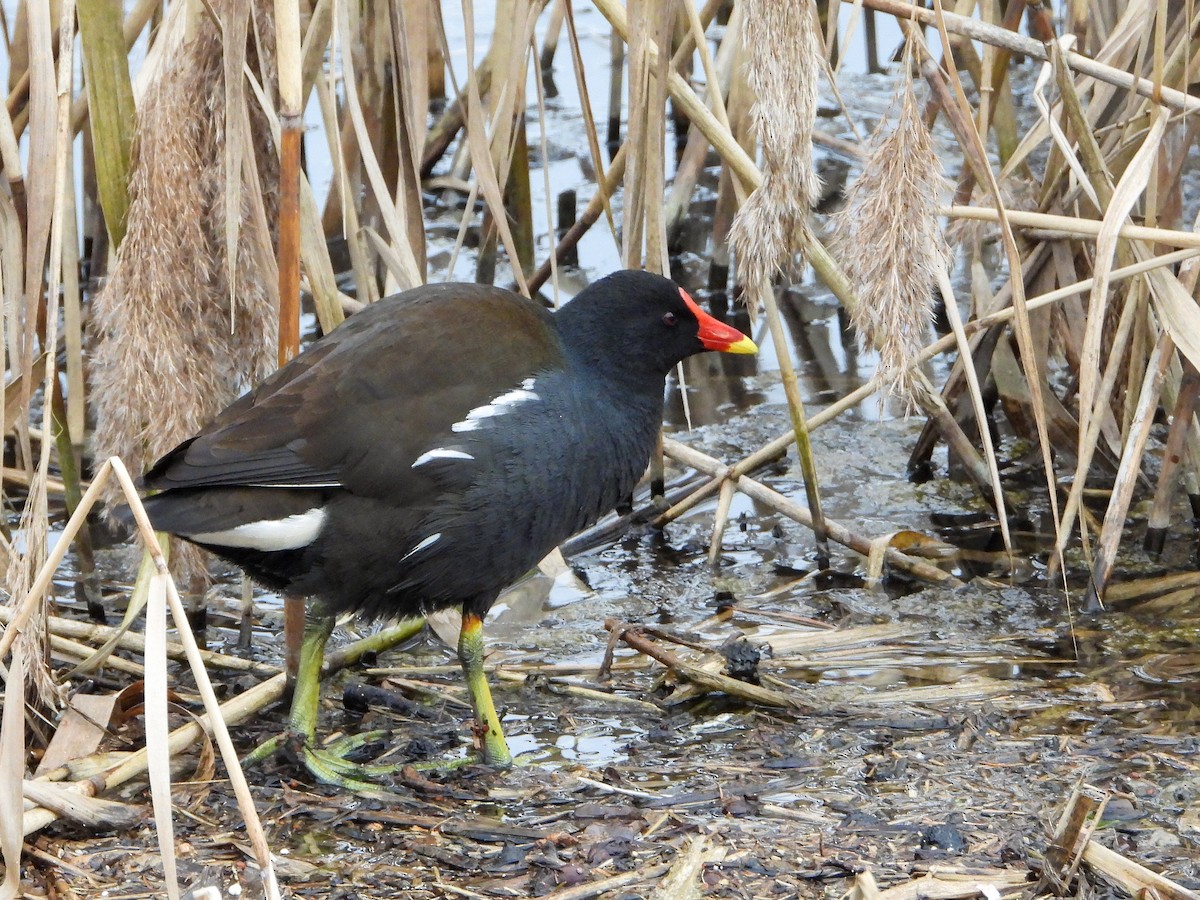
[698, 675]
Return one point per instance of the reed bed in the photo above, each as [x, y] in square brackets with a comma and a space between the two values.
[1061, 253]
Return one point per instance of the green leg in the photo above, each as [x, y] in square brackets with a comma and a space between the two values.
[470, 655]
[306, 692]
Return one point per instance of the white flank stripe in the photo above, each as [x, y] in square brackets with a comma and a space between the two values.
[269, 535]
[440, 453]
[520, 395]
[426, 542]
[497, 407]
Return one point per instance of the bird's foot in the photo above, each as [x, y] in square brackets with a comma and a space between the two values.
[493, 748]
[329, 764]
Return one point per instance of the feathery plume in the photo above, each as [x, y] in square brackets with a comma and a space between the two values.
[170, 350]
[888, 240]
[783, 62]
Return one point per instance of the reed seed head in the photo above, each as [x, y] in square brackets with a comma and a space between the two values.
[888, 240]
[782, 44]
[170, 350]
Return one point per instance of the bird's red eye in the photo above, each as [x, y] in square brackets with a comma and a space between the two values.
[670, 318]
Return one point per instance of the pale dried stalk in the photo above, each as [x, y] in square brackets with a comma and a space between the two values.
[56, 144]
[644, 186]
[888, 240]
[1074, 225]
[12, 767]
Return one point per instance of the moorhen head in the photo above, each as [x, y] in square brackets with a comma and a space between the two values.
[434, 447]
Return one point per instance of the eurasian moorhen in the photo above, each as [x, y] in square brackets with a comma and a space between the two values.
[434, 447]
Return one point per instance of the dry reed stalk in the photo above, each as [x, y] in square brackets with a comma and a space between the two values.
[291, 93]
[643, 231]
[87, 631]
[164, 325]
[52, 140]
[1001, 37]
[12, 768]
[889, 242]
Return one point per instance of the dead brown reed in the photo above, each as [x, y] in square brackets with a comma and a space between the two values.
[889, 241]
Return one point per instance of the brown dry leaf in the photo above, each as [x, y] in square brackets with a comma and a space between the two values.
[911, 542]
[91, 812]
[14, 395]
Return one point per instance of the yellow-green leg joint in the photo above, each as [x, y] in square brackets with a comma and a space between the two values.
[470, 655]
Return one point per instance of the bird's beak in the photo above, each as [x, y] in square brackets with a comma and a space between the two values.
[715, 335]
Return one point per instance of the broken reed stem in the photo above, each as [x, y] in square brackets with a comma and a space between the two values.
[712, 681]
[1133, 877]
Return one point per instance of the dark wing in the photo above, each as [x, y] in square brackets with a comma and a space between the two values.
[362, 404]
